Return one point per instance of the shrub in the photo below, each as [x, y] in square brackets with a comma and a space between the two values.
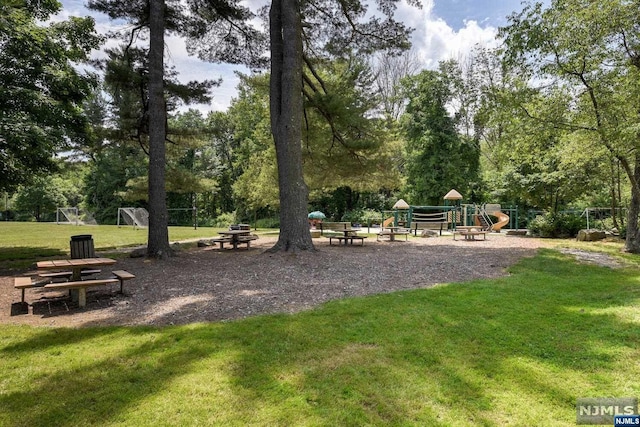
[362, 216]
[273, 222]
[556, 225]
[225, 219]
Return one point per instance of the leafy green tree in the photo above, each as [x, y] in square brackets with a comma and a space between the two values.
[43, 196]
[343, 144]
[298, 32]
[105, 185]
[352, 150]
[591, 48]
[437, 158]
[158, 17]
[41, 91]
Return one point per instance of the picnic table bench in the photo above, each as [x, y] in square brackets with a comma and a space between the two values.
[347, 239]
[470, 234]
[23, 283]
[81, 286]
[119, 276]
[234, 239]
[67, 274]
[423, 221]
[333, 227]
[392, 232]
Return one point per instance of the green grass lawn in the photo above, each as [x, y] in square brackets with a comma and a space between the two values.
[512, 351]
[32, 240]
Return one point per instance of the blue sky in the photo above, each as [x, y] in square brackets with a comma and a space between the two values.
[485, 12]
[444, 29]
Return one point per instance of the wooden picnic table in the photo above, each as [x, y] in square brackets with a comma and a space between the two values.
[470, 234]
[75, 265]
[235, 234]
[349, 235]
[393, 231]
[77, 287]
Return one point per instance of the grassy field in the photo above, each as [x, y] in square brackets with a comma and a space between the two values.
[31, 240]
[514, 351]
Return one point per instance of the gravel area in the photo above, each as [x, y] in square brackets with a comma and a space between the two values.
[208, 284]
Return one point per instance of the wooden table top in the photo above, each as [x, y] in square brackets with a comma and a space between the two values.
[232, 232]
[74, 263]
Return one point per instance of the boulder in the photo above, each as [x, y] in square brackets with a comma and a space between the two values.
[590, 235]
[138, 253]
[429, 233]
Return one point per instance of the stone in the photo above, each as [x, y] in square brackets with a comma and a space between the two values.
[429, 233]
[138, 253]
[590, 235]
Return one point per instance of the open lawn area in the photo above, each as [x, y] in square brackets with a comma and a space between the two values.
[26, 241]
[509, 349]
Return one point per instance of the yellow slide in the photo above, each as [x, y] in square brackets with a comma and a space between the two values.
[389, 222]
[503, 220]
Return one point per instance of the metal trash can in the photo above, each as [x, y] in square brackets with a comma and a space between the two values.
[82, 246]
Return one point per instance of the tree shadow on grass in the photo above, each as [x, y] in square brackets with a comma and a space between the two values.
[515, 350]
[20, 258]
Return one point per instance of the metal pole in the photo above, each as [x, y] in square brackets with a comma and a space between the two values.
[195, 218]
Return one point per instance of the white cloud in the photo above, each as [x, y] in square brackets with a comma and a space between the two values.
[434, 40]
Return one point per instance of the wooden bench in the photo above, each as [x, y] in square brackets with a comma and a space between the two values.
[82, 285]
[470, 234]
[24, 283]
[424, 221]
[333, 226]
[247, 239]
[392, 234]
[347, 239]
[67, 274]
[221, 240]
[123, 275]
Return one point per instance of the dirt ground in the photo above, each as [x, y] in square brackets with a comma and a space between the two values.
[209, 284]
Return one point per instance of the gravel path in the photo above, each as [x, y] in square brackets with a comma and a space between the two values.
[211, 285]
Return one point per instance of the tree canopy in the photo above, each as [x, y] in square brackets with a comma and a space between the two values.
[41, 90]
[591, 52]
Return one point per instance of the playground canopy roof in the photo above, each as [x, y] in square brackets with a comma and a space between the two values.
[453, 195]
[401, 204]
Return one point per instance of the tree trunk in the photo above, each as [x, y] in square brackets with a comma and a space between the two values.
[286, 105]
[158, 240]
[632, 241]
[614, 201]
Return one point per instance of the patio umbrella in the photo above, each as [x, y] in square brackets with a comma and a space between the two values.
[316, 215]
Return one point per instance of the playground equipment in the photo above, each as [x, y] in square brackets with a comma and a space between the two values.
[137, 217]
[482, 218]
[503, 219]
[496, 210]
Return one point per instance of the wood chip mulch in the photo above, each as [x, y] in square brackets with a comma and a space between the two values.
[208, 284]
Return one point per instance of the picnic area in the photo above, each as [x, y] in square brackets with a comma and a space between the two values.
[209, 284]
[349, 335]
